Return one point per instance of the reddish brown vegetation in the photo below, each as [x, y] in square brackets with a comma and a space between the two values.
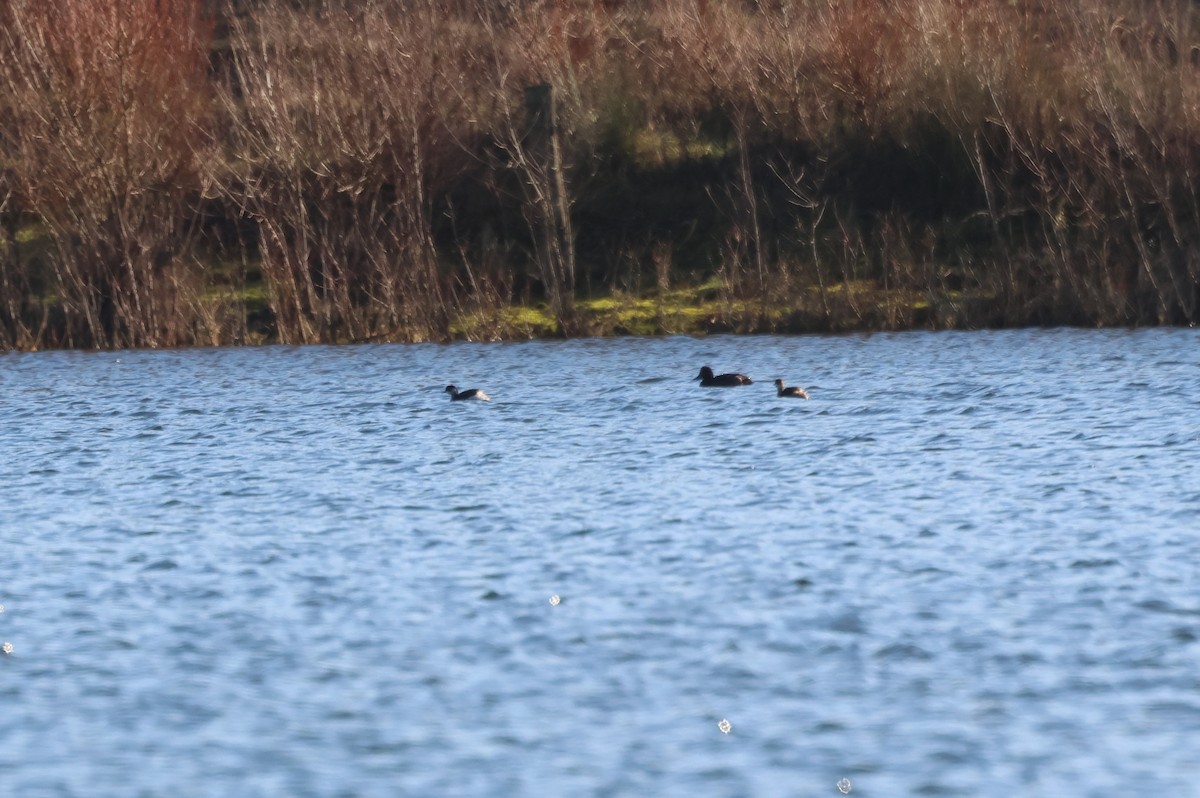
[867, 164]
[104, 106]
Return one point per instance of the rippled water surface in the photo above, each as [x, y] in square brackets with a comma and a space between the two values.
[969, 565]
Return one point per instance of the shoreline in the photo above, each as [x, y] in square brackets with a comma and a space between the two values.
[620, 315]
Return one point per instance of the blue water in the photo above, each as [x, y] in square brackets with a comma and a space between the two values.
[969, 566]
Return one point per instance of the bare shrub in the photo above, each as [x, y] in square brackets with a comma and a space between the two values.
[548, 70]
[104, 101]
[18, 318]
[1078, 120]
[406, 169]
[346, 121]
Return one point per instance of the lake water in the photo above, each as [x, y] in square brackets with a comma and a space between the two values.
[969, 565]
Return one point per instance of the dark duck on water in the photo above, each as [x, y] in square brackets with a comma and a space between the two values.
[709, 380]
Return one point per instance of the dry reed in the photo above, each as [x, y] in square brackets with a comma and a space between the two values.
[858, 164]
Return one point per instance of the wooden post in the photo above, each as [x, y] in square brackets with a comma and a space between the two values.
[551, 200]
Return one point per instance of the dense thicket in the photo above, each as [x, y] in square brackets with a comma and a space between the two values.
[182, 171]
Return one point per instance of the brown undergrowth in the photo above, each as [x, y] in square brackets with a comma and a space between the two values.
[176, 172]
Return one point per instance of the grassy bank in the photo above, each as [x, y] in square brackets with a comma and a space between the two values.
[178, 172]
